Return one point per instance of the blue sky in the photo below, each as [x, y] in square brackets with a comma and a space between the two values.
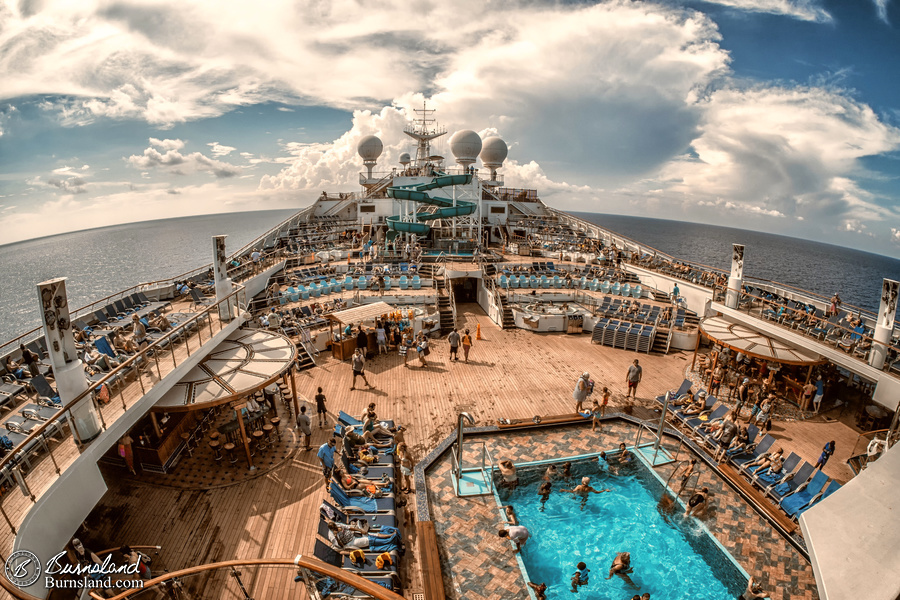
[774, 115]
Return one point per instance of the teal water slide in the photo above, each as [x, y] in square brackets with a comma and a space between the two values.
[418, 193]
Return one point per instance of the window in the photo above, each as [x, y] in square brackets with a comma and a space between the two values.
[367, 208]
[498, 210]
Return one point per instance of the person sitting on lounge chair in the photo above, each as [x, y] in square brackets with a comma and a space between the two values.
[15, 369]
[122, 344]
[765, 460]
[698, 406]
[347, 536]
[351, 483]
[98, 360]
[159, 321]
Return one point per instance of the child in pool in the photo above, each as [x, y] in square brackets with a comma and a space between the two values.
[580, 577]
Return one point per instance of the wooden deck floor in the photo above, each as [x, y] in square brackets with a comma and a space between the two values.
[511, 374]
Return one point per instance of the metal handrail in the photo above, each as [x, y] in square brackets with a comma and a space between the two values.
[90, 307]
[150, 355]
[831, 326]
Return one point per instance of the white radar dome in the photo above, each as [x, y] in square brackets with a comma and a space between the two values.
[370, 147]
[494, 152]
[404, 158]
[465, 146]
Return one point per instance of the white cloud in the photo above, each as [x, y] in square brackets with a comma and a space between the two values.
[895, 235]
[881, 8]
[220, 150]
[167, 144]
[175, 162]
[805, 10]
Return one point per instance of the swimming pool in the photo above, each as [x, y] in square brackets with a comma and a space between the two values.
[672, 557]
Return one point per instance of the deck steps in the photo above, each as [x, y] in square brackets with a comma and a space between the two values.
[304, 360]
[509, 321]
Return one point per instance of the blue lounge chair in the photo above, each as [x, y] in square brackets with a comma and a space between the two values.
[416, 283]
[368, 505]
[682, 389]
[802, 496]
[790, 482]
[832, 488]
[761, 448]
[765, 478]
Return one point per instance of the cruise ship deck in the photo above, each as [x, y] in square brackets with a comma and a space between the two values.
[512, 374]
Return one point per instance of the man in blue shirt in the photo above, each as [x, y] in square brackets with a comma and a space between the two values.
[326, 457]
[820, 393]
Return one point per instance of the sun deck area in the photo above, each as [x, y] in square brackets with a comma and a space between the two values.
[198, 514]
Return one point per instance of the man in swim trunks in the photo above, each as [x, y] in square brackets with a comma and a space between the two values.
[540, 590]
[621, 566]
[633, 378]
[697, 503]
[583, 489]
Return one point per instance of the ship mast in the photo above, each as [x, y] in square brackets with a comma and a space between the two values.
[423, 130]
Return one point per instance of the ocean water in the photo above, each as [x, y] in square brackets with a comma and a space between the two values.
[672, 556]
[813, 266]
[99, 262]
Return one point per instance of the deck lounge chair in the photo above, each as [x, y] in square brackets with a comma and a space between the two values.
[199, 300]
[346, 514]
[765, 478]
[803, 495]
[832, 488]
[682, 389]
[44, 389]
[368, 505]
[702, 419]
[761, 448]
[790, 482]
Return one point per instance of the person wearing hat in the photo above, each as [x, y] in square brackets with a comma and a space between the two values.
[582, 389]
[698, 406]
[820, 393]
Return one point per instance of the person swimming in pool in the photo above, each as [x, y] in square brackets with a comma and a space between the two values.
[621, 566]
[580, 576]
[551, 473]
[544, 493]
[583, 489]
[697, 503]
[540, 590]
[566, 471]
[625, 455]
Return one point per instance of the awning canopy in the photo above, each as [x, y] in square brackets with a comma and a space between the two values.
[358, 314]
[248, 360]
[753, 343]
[853, 536]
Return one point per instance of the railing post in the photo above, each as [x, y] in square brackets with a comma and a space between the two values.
[53, 458]
[8, 522]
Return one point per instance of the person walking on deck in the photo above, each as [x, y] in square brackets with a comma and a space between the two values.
[304, 425]
[466, 345]
[321, 411]
[582, 391]
[357, 363]
[633, 378]
[454, 339]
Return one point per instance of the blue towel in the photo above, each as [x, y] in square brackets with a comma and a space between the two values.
[782, 488]
[385, 544]
[770, 477]
[792, 504]
[329, 586]
[102, 344]
[368, 505]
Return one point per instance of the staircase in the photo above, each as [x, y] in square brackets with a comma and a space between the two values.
[490, 270]
[427, 270]
[304, 360]
[509, 322]
[445, 311]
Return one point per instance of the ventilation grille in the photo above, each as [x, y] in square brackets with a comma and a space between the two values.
[418, 596]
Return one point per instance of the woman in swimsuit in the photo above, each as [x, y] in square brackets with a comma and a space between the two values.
[697, 503]
[622, 567]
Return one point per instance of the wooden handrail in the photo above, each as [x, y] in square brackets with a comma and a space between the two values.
[300, 561]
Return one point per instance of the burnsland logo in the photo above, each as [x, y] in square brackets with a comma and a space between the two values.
[22, 568]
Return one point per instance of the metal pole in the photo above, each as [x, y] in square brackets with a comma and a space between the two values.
[662, 423]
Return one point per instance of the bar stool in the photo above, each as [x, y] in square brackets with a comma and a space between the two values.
[229, 451]
[275, 423]
[186, 438]
[214, 435]
[215, 448]
[268, 428]
[257, 442]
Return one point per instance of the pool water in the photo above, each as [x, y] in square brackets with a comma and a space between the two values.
[673, 557]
